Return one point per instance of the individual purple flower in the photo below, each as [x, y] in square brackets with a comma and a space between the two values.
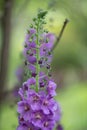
[27, 86]
[32, 68]
[34, 100]
[21, 119]
[38, 118]
[48, 105]
[27, 126]
[43, 80]
[51, 88]
[31, 81]
[45, 55]
[31, 32]
[31, 59]
[51, 40]
[24, 109]
[48, 124]
[45, 48]
[21, 93]
[57, 113]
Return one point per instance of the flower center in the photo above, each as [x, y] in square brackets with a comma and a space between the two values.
[21, 119]
[46, 124]
[26, 108]
[45, 102]
[50, 87]
[30, 129]
[38, 116]
[35, 98]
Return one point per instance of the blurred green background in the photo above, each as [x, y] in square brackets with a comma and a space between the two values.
[69, 62]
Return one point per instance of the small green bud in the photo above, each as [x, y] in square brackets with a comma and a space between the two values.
[43, 22]
[32, 36]
[30, 40]
[26, 63]
[46, 31]
[46, 59]
[49, 53]
[25, 74]
[47, 40]
[28, 52]
[34, 19]
[41, 14]
[35, 27]
[25, 45]
[36, 23]
[36, 34]
[31, 26]
[38, 47]
[41, 39]
[28, 31]
[49, 74]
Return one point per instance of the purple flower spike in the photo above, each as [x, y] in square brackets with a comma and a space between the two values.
[37, 108]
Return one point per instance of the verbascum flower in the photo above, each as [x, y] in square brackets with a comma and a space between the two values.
[37, 108]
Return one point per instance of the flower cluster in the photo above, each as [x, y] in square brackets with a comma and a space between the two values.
[38, 109]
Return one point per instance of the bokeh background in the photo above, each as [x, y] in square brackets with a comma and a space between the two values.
[69, 62]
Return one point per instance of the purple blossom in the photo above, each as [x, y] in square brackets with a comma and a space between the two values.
[57, 113]
[51, 88]
[27, 126]
[48, 105]
[31, 81]
[43, 79]
[32, 68]
[48, 124]
[24, 109]
[21, 93]
[31, 59]
[34, 99]
[37, 118]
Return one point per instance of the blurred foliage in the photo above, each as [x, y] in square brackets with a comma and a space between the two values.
[74, 106]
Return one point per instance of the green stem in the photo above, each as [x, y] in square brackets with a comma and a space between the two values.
[37, 56]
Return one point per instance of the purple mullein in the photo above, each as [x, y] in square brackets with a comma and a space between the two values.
[38, 110]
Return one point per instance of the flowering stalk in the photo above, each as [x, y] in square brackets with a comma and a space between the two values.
[38, 109]
[38, 53]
